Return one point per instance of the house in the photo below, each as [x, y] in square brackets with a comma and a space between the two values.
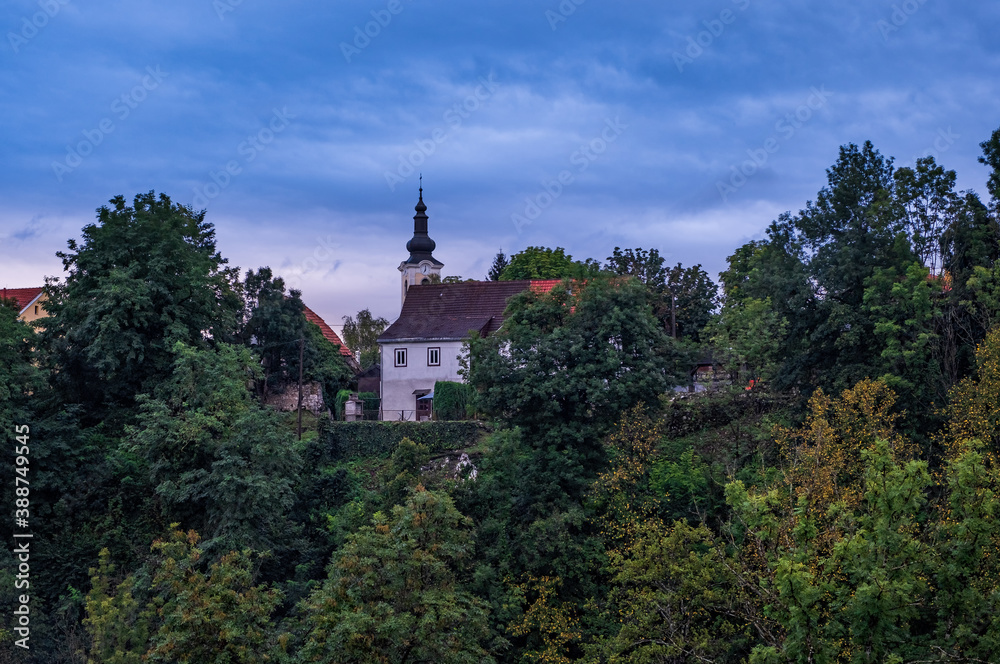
[424, 344]
[332, 337]
[30, 302]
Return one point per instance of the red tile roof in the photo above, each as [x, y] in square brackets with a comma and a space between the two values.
[327, 331]
[544, 285]
[23, 296]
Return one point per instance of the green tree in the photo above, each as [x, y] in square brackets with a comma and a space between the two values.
[904, 313]
[273, 323]
[178, 609]
[682, 298]
[212, 616]
[19, 375]
[217, 459]
[565, 366]
[393, 594]
[927, 195]
[144, 277]
[500, 263]
[991, 158]
[361, 336]
[544, 263]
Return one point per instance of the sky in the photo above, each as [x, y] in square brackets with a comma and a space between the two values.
[303, 127]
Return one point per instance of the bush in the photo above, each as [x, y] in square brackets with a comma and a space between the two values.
[339, 441]
[452, 401]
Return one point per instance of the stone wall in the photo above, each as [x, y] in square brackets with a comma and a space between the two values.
[312, 399]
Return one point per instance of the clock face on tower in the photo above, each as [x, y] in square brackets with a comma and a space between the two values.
[424, 269]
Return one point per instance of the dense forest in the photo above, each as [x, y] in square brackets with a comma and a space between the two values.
[832, 497]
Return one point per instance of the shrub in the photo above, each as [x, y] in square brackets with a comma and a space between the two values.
[452, 400]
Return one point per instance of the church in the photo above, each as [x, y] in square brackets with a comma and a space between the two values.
[424, 345]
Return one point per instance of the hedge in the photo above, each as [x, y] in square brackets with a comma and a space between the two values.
[451, 400]
[338, 441]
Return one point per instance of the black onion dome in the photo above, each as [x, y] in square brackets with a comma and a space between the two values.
[421, 245]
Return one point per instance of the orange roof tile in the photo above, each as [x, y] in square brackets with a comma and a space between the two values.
[327, 331]
[544, 285]
[23, 296]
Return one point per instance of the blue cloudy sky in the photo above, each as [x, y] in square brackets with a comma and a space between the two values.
[301, 126]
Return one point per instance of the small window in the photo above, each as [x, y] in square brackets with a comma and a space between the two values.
[400, 357]
[36, 309]
[433, 357]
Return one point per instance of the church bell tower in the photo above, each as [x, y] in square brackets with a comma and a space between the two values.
[419, 267]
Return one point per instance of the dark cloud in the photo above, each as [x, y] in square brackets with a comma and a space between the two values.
[491, 102]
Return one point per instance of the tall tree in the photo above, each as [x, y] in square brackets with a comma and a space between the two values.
[144, 277]
[500, 263]
[394, 592]
[682, 298]
[991, 158]
[565, 365]
[19, 375]
[927, 195]
[544, 263]
[361, 336]
[220, 462]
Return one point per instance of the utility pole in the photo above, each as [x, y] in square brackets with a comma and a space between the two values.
[673, 316]
[302, 343]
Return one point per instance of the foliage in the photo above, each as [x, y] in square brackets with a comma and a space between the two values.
[192, 614]
[500, 263]
[544, 263]
[274, 326]
[973, 412]
[144, 277]
[217, 459]
[564, 367]
[361, 336]
[749, 335]
[552, 622]
[677, 598]
[683, 299]
[19, 375]
[393, 595]
[351, 440]
[452, 400]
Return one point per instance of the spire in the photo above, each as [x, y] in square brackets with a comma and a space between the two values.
[421, 245]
